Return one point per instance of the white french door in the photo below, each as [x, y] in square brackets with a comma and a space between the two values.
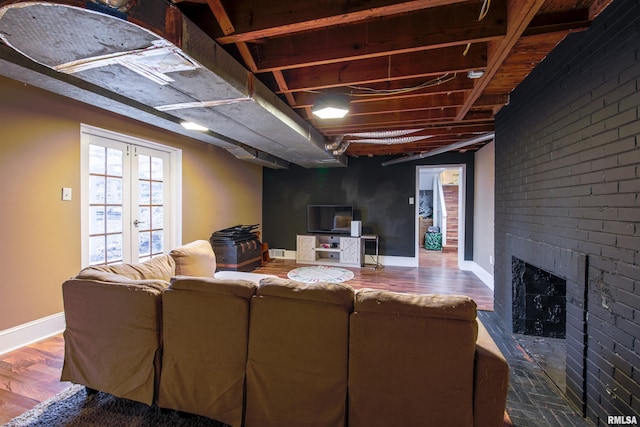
[127, 199]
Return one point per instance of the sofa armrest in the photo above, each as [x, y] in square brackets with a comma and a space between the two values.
[113, 336]
[491, 381]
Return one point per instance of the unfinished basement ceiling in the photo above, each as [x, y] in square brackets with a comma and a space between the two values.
[125, 63]
[251, 70]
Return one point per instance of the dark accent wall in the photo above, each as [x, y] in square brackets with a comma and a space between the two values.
[379, 195]
[568, 197]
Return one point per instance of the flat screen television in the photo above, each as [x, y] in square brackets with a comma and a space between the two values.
[329, 219]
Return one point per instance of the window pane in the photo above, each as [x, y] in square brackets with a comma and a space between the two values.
[157, 217]
[156, 195]
[96, 189]
[144, 195]
[144, 167]
[114, 191]
[144, 218]
[114, 219]
[114, 162]
[96, 250]
[144, 246]
[96, 159]
[114, 248]
[156, 169]
[96, 220]
[156, 240]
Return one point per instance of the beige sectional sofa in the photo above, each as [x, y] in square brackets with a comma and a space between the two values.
[279, 353]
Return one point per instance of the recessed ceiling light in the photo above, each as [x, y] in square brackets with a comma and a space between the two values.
[194, 126]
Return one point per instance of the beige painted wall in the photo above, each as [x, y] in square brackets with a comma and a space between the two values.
[40, 154]
[484, 209]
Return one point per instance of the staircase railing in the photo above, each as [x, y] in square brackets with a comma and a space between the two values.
[440, 208]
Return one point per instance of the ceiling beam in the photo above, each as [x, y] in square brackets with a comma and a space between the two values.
[430, 29]
[519, 15]
[259, 20]
[397, 67]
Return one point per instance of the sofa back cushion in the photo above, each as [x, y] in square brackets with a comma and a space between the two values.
[205, 337]
[158, 268]
[194, 259]
[411, 360]
[298, 348]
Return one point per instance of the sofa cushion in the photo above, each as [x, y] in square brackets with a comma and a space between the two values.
[406, 345]
[161, 267]
[194, 259]
[331, 293]
[231, 287]
[205, 337]
[298, 347]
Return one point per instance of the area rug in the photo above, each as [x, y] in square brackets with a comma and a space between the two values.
[320, 273]
[72, 408]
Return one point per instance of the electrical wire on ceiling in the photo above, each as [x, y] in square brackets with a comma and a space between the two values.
[386, 92]
[484, 10]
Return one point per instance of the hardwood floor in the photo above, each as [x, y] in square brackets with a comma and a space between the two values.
[438, 273]
[31, 374]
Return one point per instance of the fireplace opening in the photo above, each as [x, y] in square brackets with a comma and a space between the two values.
[539, 301]
[539, 318]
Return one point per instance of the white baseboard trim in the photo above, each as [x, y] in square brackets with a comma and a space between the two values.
[395, 261]
[482, 274]
[27, 333]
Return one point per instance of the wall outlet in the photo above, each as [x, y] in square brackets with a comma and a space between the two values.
[411, 200]
[66, 194]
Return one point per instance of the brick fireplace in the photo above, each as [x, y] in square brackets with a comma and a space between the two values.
[566, 272]
[567, 182]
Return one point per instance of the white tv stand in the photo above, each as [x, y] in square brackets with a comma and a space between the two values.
[329, 249]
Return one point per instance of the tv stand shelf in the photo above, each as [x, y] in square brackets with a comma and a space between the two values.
[329, 249]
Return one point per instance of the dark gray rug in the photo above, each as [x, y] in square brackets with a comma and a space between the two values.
[73, 408]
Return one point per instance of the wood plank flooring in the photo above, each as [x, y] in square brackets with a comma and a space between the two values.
[438, 273]
[31, 374]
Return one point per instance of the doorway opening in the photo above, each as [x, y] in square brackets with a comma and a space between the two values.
[440, 208]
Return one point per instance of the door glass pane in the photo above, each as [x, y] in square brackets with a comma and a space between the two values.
[114, 191]
[157, 169]
[158, 217]
[96, 189]
[144, 193]
[144, 244]
[156, 242]
[106, 204]
[97, 156]
[114, 248]
[156, 193]
[144, 167]
[144, 218]
[96, 220]
[114, 219]
[96, 249]
[114, 162]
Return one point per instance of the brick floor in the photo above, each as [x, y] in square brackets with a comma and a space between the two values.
[533, 399]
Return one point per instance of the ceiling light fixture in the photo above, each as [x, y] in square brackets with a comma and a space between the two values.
[194, 126]
[475, 74]
[331, 107]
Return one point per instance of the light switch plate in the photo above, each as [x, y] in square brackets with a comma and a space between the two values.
[66, 194]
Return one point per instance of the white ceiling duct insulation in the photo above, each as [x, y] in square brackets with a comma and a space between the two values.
[163, 74]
